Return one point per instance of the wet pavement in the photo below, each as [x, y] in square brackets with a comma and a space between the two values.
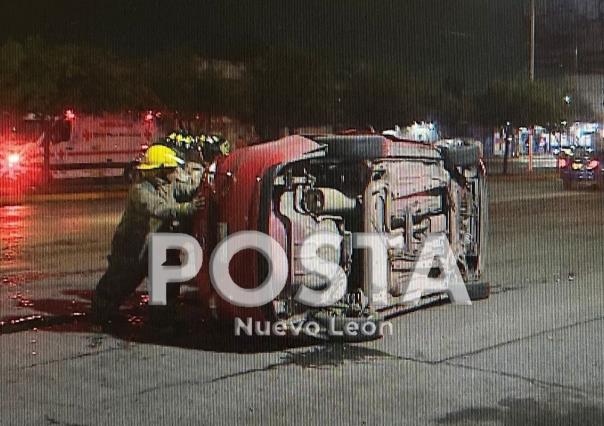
[51, 249]
[541, 163]
[531, 354]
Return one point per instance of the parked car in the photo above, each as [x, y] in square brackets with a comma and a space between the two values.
[345, 184]
[581, 166]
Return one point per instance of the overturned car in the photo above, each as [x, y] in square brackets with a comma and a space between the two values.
[345, 185]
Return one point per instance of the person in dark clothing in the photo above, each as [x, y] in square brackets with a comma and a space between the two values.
[155, 204]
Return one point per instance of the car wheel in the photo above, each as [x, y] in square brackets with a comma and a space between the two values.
[461, 156]
[479, 291]
[354, 147]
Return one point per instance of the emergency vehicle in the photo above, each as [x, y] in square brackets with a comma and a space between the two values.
[83, 146]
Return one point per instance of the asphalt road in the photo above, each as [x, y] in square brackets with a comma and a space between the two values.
[531, 354]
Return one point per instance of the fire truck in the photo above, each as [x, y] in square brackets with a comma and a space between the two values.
[71, 146]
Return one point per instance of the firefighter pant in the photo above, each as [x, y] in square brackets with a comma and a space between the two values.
[120, 281]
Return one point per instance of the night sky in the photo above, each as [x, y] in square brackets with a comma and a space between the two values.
[473, 39]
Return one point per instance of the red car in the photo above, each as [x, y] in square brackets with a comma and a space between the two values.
[581, 166]
[345, 184]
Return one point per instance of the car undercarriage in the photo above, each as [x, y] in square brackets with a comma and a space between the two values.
[398, 190]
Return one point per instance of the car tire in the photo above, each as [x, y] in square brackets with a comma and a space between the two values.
[479, 291]
[354, 147]
[461, 156]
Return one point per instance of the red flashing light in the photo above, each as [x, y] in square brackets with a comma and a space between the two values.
[562, 163]
[70, 115]
[593, 164]
[149, 116]
[13, 160]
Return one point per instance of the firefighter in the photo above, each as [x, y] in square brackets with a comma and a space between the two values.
[193, 168]
[152, 206]
[212, 148]
[190, 172]
[188, 149]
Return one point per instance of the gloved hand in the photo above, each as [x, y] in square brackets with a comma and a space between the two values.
[199, 202]
[192, 166]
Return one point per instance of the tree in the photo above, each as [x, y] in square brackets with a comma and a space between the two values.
[290, 88]
[521, 102]
[42, 78]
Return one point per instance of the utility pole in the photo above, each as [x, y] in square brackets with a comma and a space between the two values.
[532, 42]
[531, 78]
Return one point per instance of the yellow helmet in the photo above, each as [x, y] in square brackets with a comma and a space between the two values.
[159, 157]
